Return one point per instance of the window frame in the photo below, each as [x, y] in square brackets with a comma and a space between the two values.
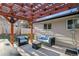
[73, 23]
[47, 26]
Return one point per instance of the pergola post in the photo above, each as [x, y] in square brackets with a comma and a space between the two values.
[31, 33]
[12, 34]
[12, 21]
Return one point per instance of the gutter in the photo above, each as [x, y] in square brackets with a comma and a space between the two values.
[58, 15]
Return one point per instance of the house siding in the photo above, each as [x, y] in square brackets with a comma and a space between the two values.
[64, 37]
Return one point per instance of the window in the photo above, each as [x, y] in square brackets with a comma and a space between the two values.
[48, 26]
[45, 26]
[76, 23]
[73, 23]
[70, 24]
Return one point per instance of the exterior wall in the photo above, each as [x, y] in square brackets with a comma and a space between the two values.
[62, 34]
[77, 37]
[64, 37]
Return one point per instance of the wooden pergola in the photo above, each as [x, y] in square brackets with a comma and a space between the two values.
[30, 12]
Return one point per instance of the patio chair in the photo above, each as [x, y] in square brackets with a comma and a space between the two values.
[22, 40]
[43, 39]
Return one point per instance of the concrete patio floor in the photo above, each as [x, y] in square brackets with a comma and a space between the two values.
[6, 49]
